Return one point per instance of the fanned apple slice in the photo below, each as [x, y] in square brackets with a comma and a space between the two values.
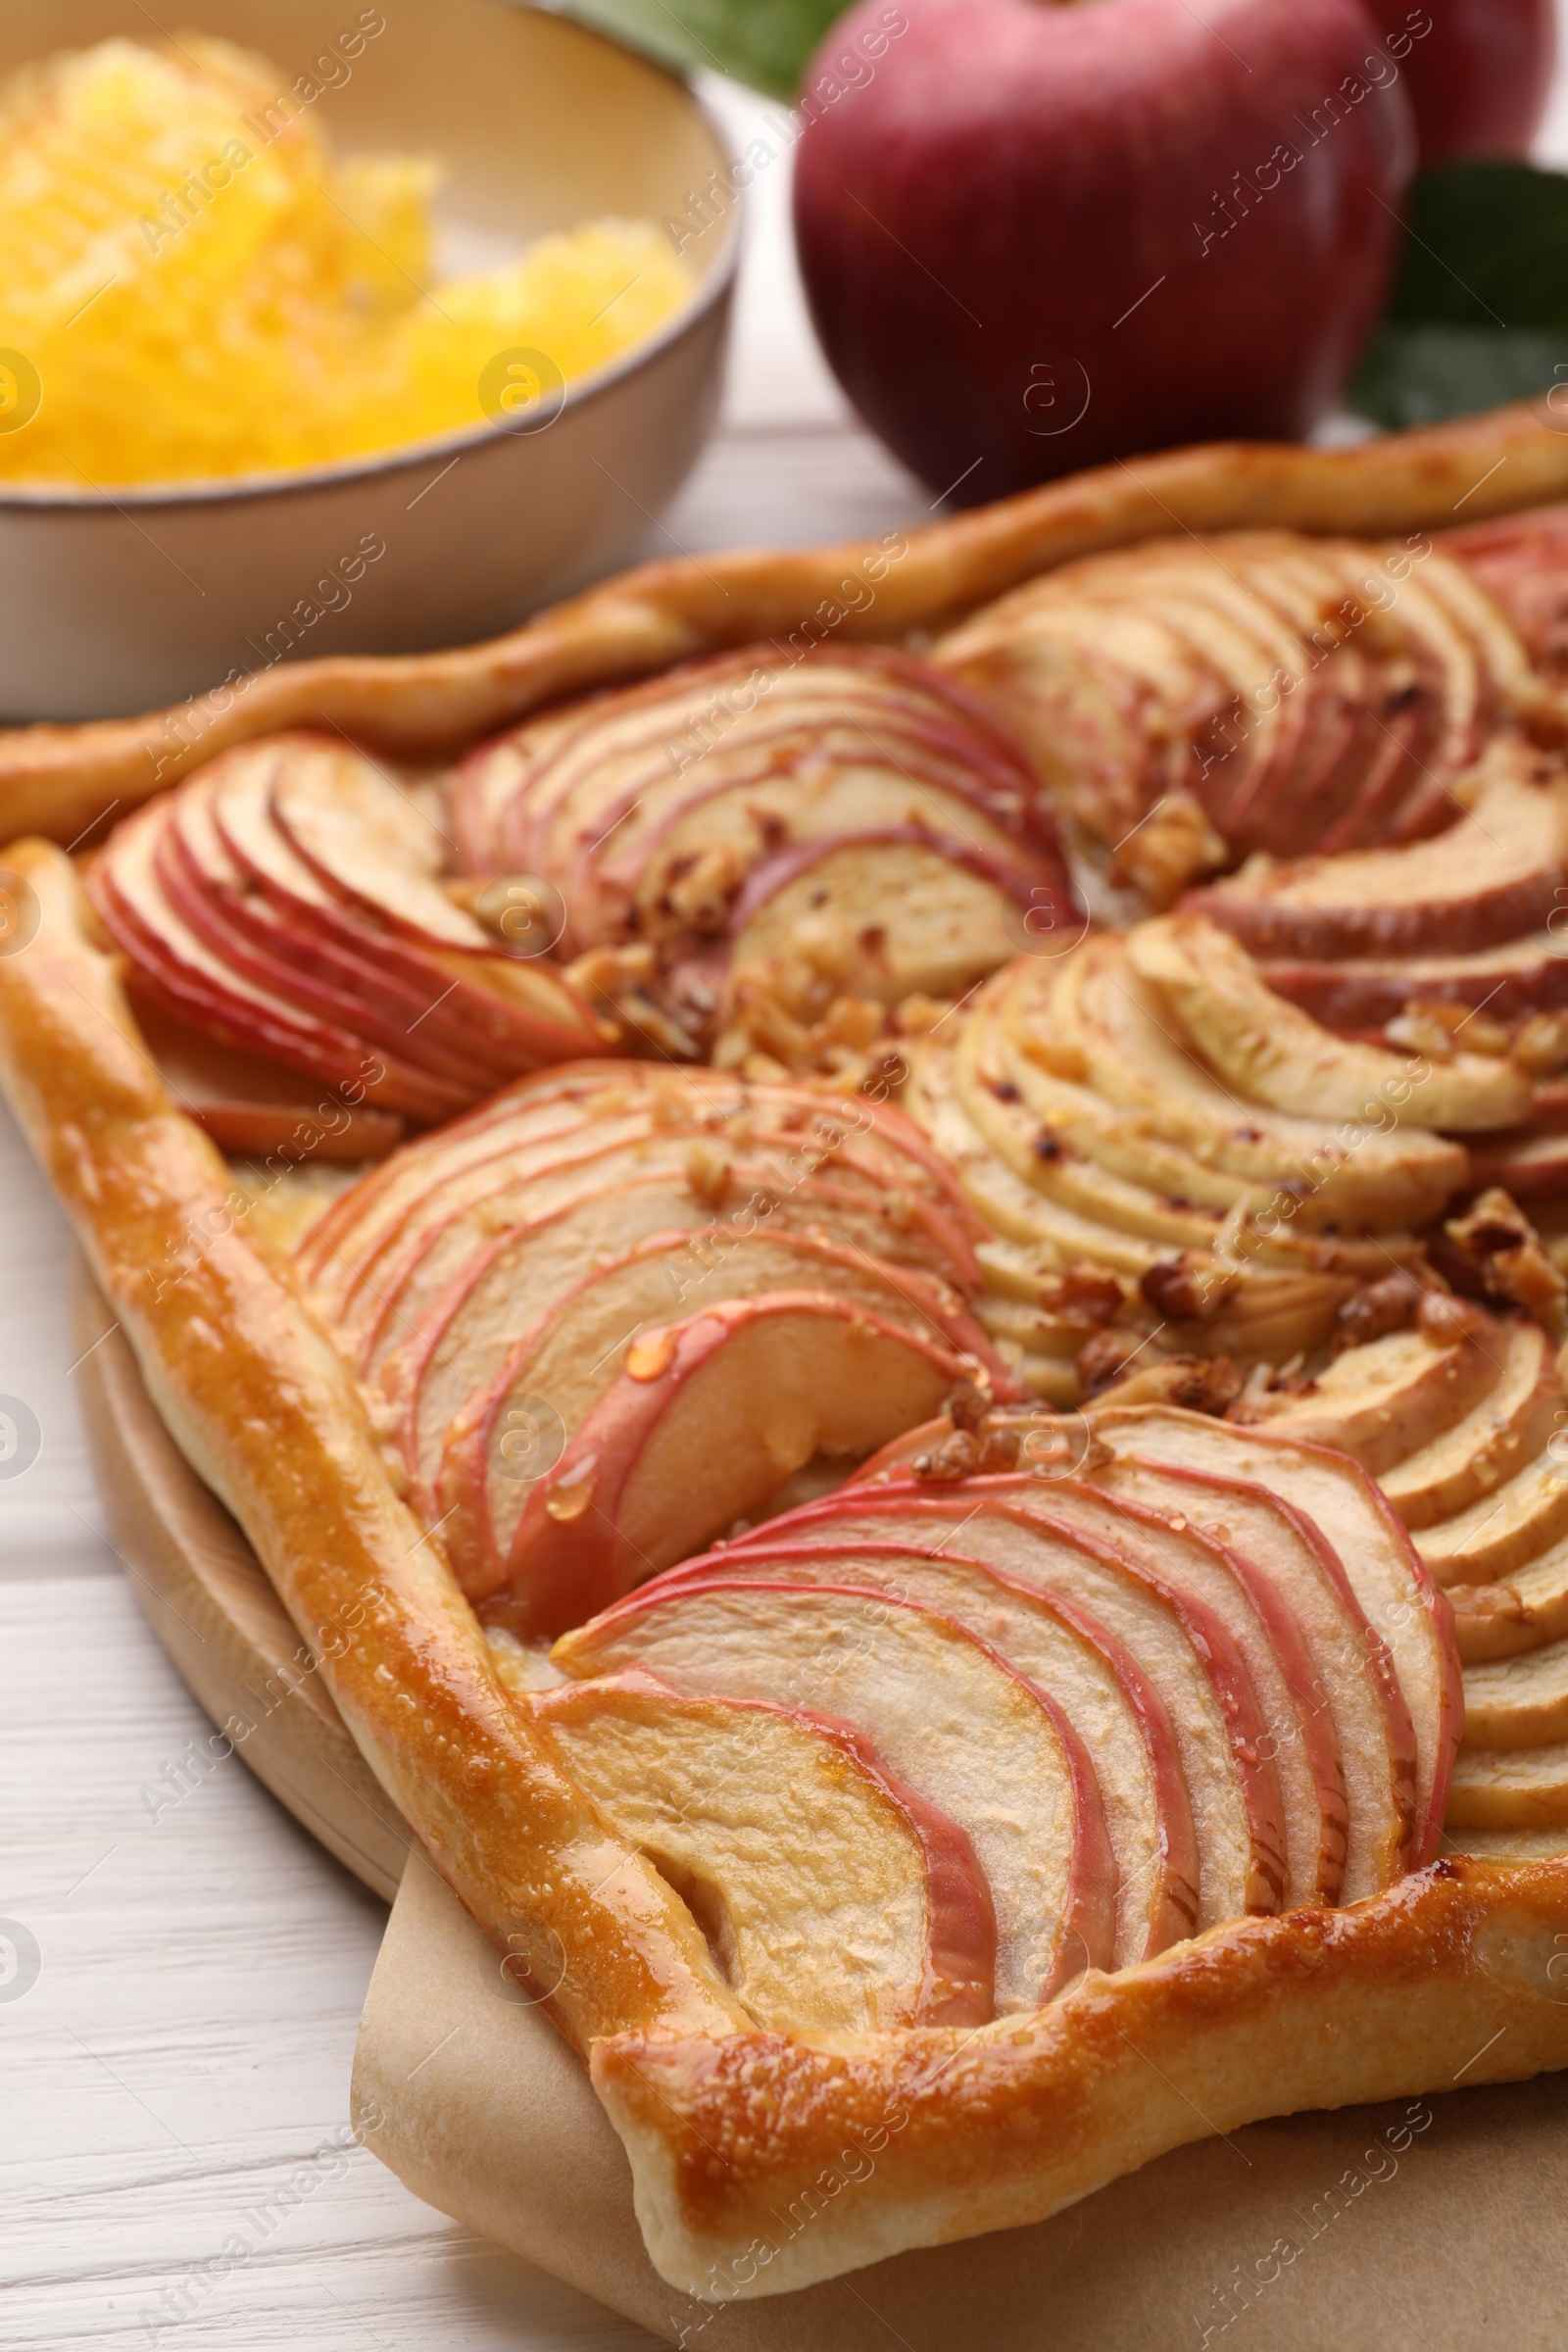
[1276, 1055]
[1495, 1440]
[1507, 1845]
[370, 843]
[1387, 1576]
[566, 1361]
[1064, 1651]
[1518, 1702]
[1488, 879]
[1182, 1650]
[200, 987]
[1521, 977]
[1511, 1788]
[255, 1108]
[706, 1422]
[945, 1713]
[1502, 1531]
[1379, 1402]
[1298, 1750]
[833, 1898]
[1121, 1025]
[1521, 1612]
[554, 1311]
[1352, 1677]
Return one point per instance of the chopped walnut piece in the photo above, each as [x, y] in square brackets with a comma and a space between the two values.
[1172, 846]
[1189, 1288]
[1422, 1029]
[707, 1172]
[968, 1404]
[1376, 1309]
[1540, 1045]
[1102, 1358]
[919, 1014]
[954, 1458]
[1498, 1239]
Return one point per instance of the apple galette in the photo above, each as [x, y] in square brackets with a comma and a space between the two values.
[948, 1491]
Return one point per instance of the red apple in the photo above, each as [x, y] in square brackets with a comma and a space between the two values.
[1477, 75]
[1037, 237]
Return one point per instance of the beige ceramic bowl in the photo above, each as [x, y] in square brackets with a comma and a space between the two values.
[113, 605]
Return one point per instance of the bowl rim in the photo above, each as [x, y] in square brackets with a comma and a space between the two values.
[714, 288]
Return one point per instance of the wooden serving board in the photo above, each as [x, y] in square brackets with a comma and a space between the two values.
[209, 1602]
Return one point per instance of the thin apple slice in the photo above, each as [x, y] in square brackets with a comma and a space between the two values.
[833, 1898]
[254, 1109]
[590, 1280]
[1299, 1750]
[1520, 977]
[1184, 1652]
[1527, 1165]
[706, 1422]
[1523, 1611]
[1120, 1024]
[1488, 879]
[1513, 1788]
[886, 916]
[1379, 1401]
[1518, 1702]
[1495, 1440]
[1062, 1649]
[200, 987]
[945, 1713]
[1352, 1675]
[1275, 1053]
[329, 979]
[1387, 1575]
[1501, 1532]
[1507, 1846]
[369, 841]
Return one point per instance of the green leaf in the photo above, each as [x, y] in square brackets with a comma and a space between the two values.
[764, 42]
[1478, 313]
[1421, 375]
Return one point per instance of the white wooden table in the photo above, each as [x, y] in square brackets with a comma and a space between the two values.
[182, 1974]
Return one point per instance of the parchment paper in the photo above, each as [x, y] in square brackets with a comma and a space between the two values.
[1440, 2222]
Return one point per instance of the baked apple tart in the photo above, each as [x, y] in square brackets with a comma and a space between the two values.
[945, 1458]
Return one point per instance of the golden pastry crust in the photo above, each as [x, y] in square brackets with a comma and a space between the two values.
[65, 781]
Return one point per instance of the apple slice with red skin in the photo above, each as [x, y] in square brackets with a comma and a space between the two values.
[252, 1107]
[1523, 1611]
[1521, 976]
[1184, 1651]
[762, 1191]
[1397, 1595]
[521, 1012]
[706, 1422]
[868, 1144]
[207, 890]
[201, 988]
[1493, 875]
[1299, 1741]
[944, 1712]
[1493, 1443]
[1352, 1677]
[833, 1898]
[371, 844]
[1062, 1649]
[1528, 1166]
[594, 1265]
[762, 1200]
